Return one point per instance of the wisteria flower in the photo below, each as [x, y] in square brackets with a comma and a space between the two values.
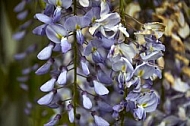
[84, 66]
[76, 23]
[99, 88]
[45, 68]
[46, 99]
[49, 85]
[62, 78]
[99, 121]
[95, 48]
[146, 71]
[94, 67]
[54, 121]
[84, 3]
[125, 69]
[105, 25]
[61, 3]
[71, 113]
[86, 101]
[57, 34]
[146, 102]
[45, 53]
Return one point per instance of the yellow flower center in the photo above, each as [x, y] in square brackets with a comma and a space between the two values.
[151, 48]
[58, 2]
[123, 69]
[77, 27]
[59, 36]
[141, 73]
[93, 20]
[94, 49]
[144, 105]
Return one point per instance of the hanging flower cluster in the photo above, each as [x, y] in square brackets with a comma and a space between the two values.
[98, 74]
[175, 85]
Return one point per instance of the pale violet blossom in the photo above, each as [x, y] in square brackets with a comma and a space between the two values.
[99, 88]
[99, 121]
[86, 101]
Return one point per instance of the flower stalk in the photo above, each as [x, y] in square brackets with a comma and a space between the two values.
[75, 49]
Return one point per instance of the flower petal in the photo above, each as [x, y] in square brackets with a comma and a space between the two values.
[43, 18]
[104, 8]
[22, 15]
[40, 30]
[43, 69]
[140, 113]
[54, 121]
[62, 77]
[19, 35]
[99, 88]
[19, 7]
[84, 3]
[48, 86]
[55, 33]
[85, 67]
[80, 37]
[86, 102]
[100, 121]
[71, 113]
[46, 99]
[45, 53]
[65, 45]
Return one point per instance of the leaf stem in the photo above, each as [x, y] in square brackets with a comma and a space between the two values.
[122, 9]
[122, 15]
[75, 48]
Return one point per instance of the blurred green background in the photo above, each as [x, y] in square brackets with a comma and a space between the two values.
[13, 99]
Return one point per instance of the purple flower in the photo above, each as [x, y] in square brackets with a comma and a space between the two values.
[62, 78]
[84, 3]
[102, 57]
[45, 68]
[40, 30]
[106, 25]
[146, 102]
[95, 48]
[22, 15]
[57, 14]
[99, 88]
[146, 71]
[93, 14]
[103, 106]
[125, 69]
[71, 113]
[57, 34]
[43, 18]
[105, 9]
[46, 99]
[84, 66]
[45, 53]
[20, 56]
[53, 121]
[99, 121]
[49, 85]
[19, 35]
[104, 78]
[61, 3]
[20, 6]
[151, 56]
[76, 23]
[86, 101]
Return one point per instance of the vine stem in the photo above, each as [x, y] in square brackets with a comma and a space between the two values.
[122, 15]
[75, 47]
[75, 76]
[122, 9]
